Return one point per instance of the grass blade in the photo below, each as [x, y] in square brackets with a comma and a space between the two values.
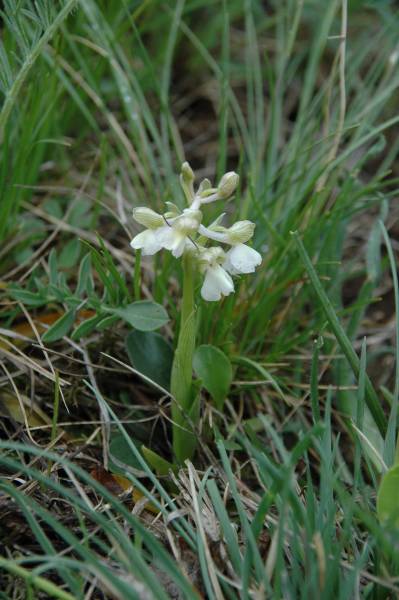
[371, 397]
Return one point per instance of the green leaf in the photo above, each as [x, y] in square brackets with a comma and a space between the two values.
[373, 254]
[151, 355]
[60, 328]
[53, 208]
[143, 315]
[58, 291]
[53, 266]
[118, 280]
[26, 297]
[160, 465]
[213, 367]
[119, 449]
[70, 254]
[85, 283]
[388, 497]
[103, 275]
[86, 327]
[390, 439]
[22, 255]
[106, 322]
[79, 215]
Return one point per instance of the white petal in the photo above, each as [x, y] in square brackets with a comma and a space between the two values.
[173, 240]
[216, 283]
[148, 217]
[242, 259]
[240, 232]
[148, 241]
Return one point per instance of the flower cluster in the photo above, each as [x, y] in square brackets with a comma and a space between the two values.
[182, 232]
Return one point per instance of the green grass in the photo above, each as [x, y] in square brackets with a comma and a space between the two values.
[100, 103]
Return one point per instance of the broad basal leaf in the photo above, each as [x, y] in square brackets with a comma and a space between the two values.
[213, 367]
[60, 327]
[388, 497]
[143, 315]
[151, 355]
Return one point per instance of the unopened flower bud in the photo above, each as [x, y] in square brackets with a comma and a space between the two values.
[187, 173]
[187, 181]
[240, 232]
[148, 217]
[228, 184]
[204, 185]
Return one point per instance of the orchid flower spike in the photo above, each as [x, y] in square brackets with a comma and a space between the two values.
[183, 231]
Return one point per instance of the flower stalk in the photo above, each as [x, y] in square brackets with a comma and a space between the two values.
[181, 386]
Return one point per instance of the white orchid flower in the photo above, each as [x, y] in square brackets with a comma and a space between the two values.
[241, 259]
[178, 235]
[217, 281]
[182, 232]
[172, 234]
[240, 232]
[149, 241]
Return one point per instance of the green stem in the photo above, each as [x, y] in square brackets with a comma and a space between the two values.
[396, 460]
[188, 291]
[30, 578]
[137, 276]
[56, 407]
[184, 405]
